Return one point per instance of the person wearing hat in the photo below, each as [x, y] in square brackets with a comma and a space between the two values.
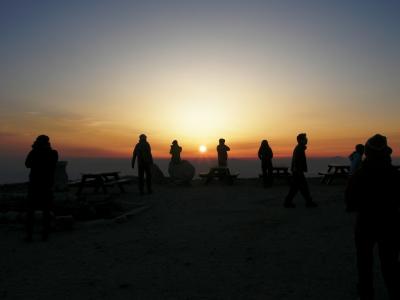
[372, 193]
[142, 153]
[41, 161]
[298, 168]
[222, 151]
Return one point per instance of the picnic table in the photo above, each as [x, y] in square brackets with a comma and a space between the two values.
[222, 173]
[279, 172]
[101, 181]
[335, 171]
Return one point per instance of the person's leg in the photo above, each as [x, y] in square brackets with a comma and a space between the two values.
[292, 191]
[388, 255]
[30, 213]
[264, 173]
[141, 178]
[305, 190]
[30, 220]
[364, 250]
[47, 204]
[270, 177]
[148, 179]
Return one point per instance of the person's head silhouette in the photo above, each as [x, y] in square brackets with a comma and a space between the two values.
[42, 141]
[221, 141]
[142, 137]
[360, 149]
[377, 148]
[302, 139]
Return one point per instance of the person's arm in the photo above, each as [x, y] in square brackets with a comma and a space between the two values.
[227, 148]
[55, 156]
[150, 155]
[259, 153]
[134, 154]
[29, 160]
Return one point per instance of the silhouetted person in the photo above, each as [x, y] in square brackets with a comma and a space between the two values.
[222, 150]
[299, 167]
[265, 155]
[42, 160]
[356, 158]
[373, 193]
[142, 152]
[175, 152]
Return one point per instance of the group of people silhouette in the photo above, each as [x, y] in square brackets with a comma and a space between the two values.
[372, 193]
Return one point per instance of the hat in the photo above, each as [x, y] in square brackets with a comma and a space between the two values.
[377, 145]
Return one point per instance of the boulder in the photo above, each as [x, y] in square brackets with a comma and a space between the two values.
[157, 175]
[61, 176]
[182, 172]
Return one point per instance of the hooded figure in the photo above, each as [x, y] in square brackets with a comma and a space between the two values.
[41, 161]
[175, 151]
[265, 155]
[373, 194]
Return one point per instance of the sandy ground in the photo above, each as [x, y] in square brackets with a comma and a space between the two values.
[198, 242]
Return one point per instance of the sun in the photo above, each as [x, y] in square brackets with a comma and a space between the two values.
[202, 149]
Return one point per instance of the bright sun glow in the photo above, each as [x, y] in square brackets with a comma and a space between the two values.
[202, 148]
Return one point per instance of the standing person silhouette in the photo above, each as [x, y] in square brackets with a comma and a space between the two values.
[222, 151]
[142, 152]
[42, 161]
[299, 167]
[356, 158]
[265, 154]
[373, 194]
[175, 152]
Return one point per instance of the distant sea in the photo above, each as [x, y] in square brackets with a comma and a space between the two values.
[13, 170]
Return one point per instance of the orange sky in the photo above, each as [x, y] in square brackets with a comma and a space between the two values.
[94, 79]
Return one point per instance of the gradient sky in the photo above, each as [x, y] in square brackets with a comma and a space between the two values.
[93, 75]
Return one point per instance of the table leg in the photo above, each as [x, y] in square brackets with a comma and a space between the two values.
[81, 186]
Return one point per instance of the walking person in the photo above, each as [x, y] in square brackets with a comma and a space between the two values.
[298, 168]
[41, 161]
[265, 154]
[222, 151]
[142, 153]
[373, 194]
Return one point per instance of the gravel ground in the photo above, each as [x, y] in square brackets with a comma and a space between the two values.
[197, 242]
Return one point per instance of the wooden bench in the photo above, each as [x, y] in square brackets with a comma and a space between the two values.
[222, 174]
[334, 171]
[102, 181]
[120, 182]
[279, 172]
